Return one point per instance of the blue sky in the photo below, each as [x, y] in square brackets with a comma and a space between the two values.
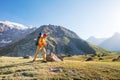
[99, 18]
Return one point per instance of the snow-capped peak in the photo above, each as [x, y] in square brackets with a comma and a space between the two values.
[5, 42]
[14, 25]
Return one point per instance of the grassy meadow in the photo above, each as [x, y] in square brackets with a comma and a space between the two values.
[72, 68]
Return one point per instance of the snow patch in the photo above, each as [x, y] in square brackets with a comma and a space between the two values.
[5, 41]
[15, 25]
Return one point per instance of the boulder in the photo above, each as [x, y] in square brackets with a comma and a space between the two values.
[114, 59]
[100, 58]
[57, 70]
[26, 57]
[89, 59]
[53, 57]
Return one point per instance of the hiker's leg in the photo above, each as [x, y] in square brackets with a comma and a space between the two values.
[44, 54]
[37, 52]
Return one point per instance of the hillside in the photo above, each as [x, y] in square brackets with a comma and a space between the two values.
[72, 68]
[99, 50]
[112, 43]
[64, 42]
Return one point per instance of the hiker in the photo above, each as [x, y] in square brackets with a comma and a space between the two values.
[41, 43]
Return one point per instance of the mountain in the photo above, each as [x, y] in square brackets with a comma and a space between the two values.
[112, 43]
[95, 41]
[64, 42]
[11, 32]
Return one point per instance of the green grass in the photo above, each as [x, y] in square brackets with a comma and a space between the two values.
[99, 50]
[74, 68]
[65, 40]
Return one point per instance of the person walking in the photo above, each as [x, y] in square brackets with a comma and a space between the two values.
[41, 43]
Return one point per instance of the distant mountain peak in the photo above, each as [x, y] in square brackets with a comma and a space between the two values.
[117, 34]
[12, 25]
[95, 40]
[112, 43]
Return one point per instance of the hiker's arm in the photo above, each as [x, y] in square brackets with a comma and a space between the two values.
[52, 46]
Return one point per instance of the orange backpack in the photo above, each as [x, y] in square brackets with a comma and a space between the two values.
[42, 42]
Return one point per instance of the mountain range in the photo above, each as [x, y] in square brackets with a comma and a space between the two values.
[63, 40]
[112, 43]
[96, 41]
[11, 32]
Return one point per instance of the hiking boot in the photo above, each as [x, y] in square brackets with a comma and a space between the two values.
[44, 61]
[33, 60]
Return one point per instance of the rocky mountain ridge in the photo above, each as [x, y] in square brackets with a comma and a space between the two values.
[11, 32]
[63, 40]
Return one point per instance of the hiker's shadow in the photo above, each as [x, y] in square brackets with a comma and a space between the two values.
[21, 64]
